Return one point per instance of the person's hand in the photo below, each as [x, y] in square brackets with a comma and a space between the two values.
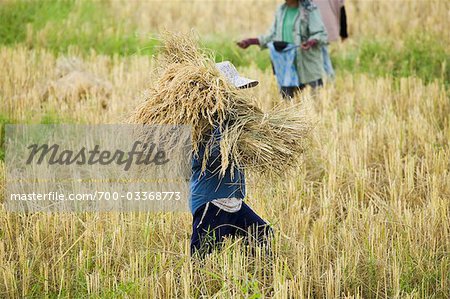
[309, 44]
[245, 43]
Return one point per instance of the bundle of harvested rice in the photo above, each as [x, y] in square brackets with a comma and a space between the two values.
[270, 141]
[75, 83]
[190, 90]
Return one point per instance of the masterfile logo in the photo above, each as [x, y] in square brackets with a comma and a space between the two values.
[97, 167]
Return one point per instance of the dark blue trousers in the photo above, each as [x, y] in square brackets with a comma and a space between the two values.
[289, 92]
[211, 225]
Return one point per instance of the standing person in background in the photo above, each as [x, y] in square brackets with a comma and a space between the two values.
[295, 40]
[335, 20]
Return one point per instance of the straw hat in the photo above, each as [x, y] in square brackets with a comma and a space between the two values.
[228, 70]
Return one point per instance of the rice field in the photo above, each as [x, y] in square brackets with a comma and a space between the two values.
[367, 215]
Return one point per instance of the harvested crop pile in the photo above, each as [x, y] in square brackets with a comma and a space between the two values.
[190, 90]
[75, 83]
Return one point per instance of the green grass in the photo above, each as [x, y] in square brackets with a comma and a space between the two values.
[226, 49]
[16, 15]
[91, 27]
[100, 32]
[421, 55]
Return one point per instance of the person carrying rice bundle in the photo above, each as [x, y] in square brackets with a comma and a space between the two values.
[230, 136]
[217, 199]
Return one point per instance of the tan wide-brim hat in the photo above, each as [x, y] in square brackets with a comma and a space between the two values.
[228, 70]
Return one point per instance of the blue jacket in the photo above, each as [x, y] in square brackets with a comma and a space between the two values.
[211, 184]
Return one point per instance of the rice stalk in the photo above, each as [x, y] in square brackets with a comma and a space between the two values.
[189, 90]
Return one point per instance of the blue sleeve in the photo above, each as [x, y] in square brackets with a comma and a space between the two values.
[213, 140]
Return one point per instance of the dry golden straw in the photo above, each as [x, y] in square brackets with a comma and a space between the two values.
[191, 91]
